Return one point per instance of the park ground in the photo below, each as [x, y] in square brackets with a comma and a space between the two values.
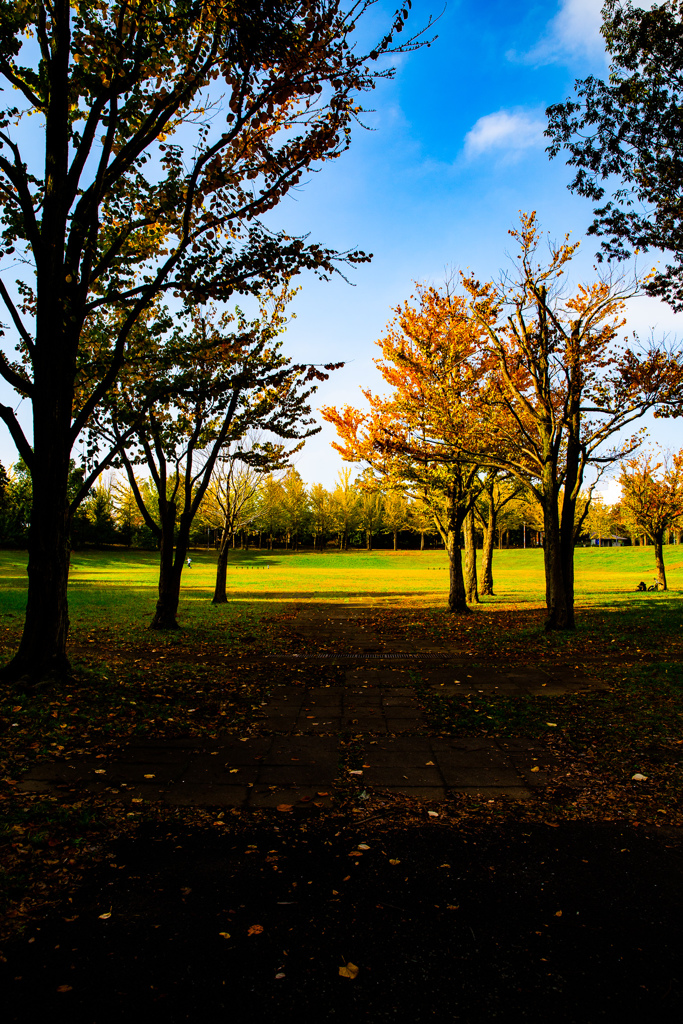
[563, 905]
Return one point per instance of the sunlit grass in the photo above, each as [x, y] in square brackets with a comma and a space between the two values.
[118, 588]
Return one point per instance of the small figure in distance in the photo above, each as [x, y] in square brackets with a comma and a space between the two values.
[189, 563]
[641, 587]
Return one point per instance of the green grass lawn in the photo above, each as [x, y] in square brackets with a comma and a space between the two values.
[119, 587]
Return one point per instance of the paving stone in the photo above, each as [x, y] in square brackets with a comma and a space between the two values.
[402, 776]
[239, 752]
[59, 772]
[206, 772]
[307, 749]
[188, 795]
[398, 725]
[320, 775]
[299, 798]
[135, 773]
[419, 792]
[400, 753]
[359, 726]
[457, 777]
[154, 754]
[403, 711]
[462, 743]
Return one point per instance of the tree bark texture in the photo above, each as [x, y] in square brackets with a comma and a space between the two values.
[560, 615]
[220, 594]
[471, 591]
[658, 541]
[486, 576]
[41, 656]
[170, 571]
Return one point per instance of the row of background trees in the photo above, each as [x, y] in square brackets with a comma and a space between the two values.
[245, 508]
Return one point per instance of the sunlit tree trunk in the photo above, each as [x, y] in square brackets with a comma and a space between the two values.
[471, 591]
[486, 576]
[220, 593]
[658, 540]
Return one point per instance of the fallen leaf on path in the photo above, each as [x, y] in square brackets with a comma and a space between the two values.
[363, 846]
[284, 807]
[64, 988]
[394, 861]
[224, 935]
[558, 913]
[432, 814]
[429, 762]
[255, 929]
[350, 971]
[638, 777]
[150, 776]
[105, 917]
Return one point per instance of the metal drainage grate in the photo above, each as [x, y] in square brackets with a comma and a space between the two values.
[356, 657]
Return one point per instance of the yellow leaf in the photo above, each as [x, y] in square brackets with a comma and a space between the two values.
[558, 913]
[394, 862]
[224, 935]
[105, 917]
[350, 971]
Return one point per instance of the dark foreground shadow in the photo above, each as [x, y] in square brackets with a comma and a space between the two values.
[579, 923]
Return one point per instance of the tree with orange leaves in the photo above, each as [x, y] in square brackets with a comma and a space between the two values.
[434, 361]
[562, 388]
[652, 500]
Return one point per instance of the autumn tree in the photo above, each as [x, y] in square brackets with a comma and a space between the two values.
[345, 507]
[226, 379]
[498, 491]
[321, 513]
[371, 505]
[562, 389]
[652, 500]
[294, 506]
[159, 136]
[126, 512]
[270, 517]
[432, 361]
[231, 502]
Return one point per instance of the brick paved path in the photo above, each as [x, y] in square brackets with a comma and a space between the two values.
[310, 742]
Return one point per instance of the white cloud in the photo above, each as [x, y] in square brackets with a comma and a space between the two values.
[511, 131]
[572, 34]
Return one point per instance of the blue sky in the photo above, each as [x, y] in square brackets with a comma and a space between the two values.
[456, 150]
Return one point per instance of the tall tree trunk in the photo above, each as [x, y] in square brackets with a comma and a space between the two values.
[169, 576]
[422, 540]
[457, 598]
[471, 592]
[559, 616]
[41, 656]
[395, 540]
[486, 577]
[658, 541]
[220, 593]
[368, 540]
